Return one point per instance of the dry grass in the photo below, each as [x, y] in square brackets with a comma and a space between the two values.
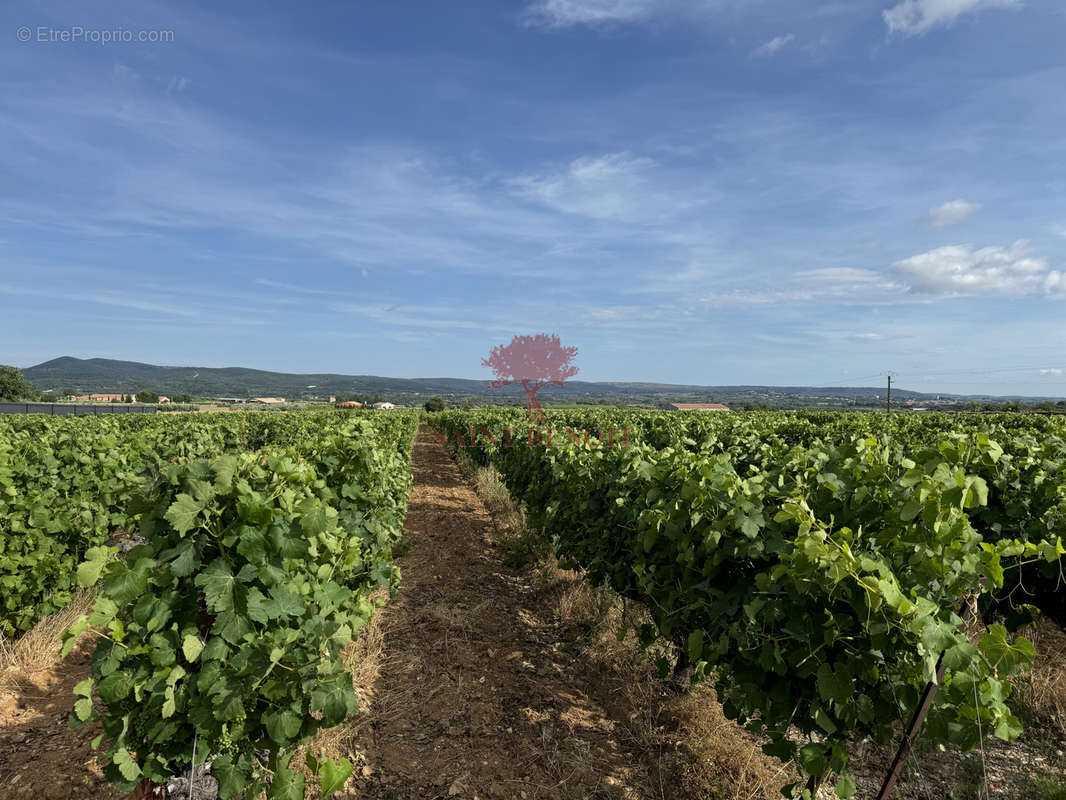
[493, 493]
[1043, 690]
[38, 649]
[690, 748]
[520, 546]
[508, 515]
[716, 758]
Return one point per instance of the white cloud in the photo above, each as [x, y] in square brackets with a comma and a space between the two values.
[962, 270]
[616, 186]
[1051, 371]
[773, 45]
[918, 17]
[951, 213]
[565, 13]
[594, 13]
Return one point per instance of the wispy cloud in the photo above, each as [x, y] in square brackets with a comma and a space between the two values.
[138, 304]
[841, 276]
[951, 213]
[841, 286]
[104, 298]
[612, 186]
[566, 13]
[1051, 371]
[404, 316]
[605, 13]
[773, 46]
[918, 17]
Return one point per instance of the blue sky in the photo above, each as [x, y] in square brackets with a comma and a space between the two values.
[697, 191]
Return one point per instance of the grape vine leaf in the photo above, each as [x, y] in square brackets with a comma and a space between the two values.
[183, 512]
[334, 774]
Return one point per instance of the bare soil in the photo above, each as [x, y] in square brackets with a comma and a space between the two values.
[40, 756]
[478, 696]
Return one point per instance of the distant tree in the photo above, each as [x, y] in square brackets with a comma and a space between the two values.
[532, 362]
[69, 392]
[14, 386]
[147, 397]
[181, 398]
[434, 404]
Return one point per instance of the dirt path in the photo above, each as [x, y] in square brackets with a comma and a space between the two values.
[40, 756]
[476, 698]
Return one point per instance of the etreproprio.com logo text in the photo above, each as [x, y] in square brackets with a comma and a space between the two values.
[47, 34]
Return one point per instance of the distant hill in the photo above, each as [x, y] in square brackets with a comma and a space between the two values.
[107, 375]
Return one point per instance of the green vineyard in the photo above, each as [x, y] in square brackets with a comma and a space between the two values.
[821, 569]
[263, 538]
[818, 567]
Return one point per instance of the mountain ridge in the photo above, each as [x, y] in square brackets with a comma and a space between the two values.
[113, 375]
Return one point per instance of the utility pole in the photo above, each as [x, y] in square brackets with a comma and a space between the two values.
[888, 401]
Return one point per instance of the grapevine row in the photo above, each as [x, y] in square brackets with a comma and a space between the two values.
[815, 568]
[222, 634]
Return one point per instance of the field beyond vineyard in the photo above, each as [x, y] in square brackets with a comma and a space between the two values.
[811, 572]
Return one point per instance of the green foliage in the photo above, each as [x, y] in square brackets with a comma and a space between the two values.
[66, 485]
[1047, 786]
[434, 404]
[331, 774]
[147, 397]
[228, 624]
[13, 386]
[816, 565]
